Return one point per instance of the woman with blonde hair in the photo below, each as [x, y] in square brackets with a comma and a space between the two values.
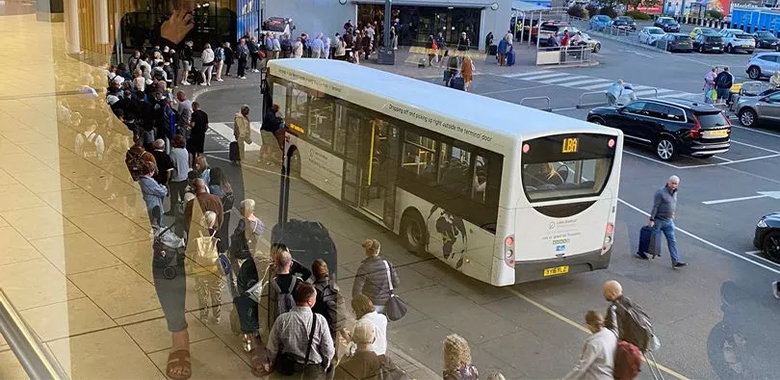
[374, 276]
[467, 71]
[201, 165]
[457, 359]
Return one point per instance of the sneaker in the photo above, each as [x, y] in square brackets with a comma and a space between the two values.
[642, 256]
[679, 264]
[776, 289]
[201, 84]
[185, 83]
[220, 80]
[241, 77]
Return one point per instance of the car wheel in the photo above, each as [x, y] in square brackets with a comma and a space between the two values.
[597, 48]
[771, 244]
[729, 49]
[413, 232]
[748, 117]
[750, 51]
[665, 149]
[754, 72]
[597, 121]
[701, 49]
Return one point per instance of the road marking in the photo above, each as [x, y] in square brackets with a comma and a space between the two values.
[682, 95]
[532, 73]
[733, 162]
[648, 92]
[543, 76]
[578, 326]
[755, 254]
[754, 146]
[756, 131]
[223, 130]
[573, 77]
[564, 109]
[707, 242]
[761, 194]
[597, 86]
[511, 90]
[652, 159]
[589, 81]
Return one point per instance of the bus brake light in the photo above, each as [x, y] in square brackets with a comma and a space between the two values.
[611, 143]
[509, 241]
[526, 148]
[607, 238]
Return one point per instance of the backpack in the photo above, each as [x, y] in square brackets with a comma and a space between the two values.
[634, 326]
[628, 360]
[219, 54]
[327, 302]
[89, 148]
[285, 301]
[135, 164]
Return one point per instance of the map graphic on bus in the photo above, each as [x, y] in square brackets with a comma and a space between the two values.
[449, 227]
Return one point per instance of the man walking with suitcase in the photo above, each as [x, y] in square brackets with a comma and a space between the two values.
[662, 216]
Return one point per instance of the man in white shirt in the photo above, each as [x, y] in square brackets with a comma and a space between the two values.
[598, 355]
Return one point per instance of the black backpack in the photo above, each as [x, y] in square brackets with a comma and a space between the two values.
[89, 149]
[633, 325]
[327, 302]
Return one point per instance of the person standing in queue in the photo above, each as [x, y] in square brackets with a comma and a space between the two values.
[242, 131]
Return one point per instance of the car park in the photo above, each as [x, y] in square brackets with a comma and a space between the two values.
[766, 40]
[599, 22]
[671, 127]
[624, 22]
[736, 41]
[708, 44]
[677, 42]
[698, 31]
[650, 35]
[668, 24]
[763, 65]
[753, 109]
[594, 44]
[767, 235]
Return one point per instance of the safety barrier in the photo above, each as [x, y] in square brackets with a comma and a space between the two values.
[580, 103]
[33, 355]
[564, 55]
[752, 88]
[547, 98]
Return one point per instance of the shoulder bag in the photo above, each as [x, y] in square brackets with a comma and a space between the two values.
[286, 363]
[395, 308]
[207, 253]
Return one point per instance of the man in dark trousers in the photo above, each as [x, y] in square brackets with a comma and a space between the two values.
[199, 124]
[662, 216]
[723, 83]
[242, 53]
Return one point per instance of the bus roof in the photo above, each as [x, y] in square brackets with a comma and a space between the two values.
[428, 103]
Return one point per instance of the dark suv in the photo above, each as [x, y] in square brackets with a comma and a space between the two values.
[671, 127]
[668, 24]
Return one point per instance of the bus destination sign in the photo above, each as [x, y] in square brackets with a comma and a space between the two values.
[569, 145]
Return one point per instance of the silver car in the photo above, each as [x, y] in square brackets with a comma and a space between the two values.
[763, 65]
[752, 109]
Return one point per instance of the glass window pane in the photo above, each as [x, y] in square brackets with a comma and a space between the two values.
[479, 183]
[565, 179]
[341, 129]
[419, 156]
[298, 111]
[279, 96]
[321, 120]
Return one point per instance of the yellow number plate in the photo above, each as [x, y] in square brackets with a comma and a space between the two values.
[719, 133]
[556, 271]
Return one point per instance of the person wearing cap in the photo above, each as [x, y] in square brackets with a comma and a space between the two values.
[626, 95]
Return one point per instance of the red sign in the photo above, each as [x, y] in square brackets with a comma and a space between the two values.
[656, 9]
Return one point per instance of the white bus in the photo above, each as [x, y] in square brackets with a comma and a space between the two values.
[501, 192]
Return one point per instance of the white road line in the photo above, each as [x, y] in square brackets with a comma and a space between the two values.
[722, 158]
[757, 131]
[556, 80]
[707, 242]
[511, 90]
[754, 146]
[564, 109]
[677, 95]
[532, 73]
[653, 92]
[588, 81]
[754, 254]
[223, 130]
[597, 86]
[652, 160]
[641, 87]
[733, 162]
[543, 76]
[729, 200]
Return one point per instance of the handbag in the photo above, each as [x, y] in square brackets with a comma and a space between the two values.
[286, 363]
[395, 308]
[256, 291]
[207, 253]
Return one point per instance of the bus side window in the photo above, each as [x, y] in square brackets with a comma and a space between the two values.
[479, 183]
[454, 169]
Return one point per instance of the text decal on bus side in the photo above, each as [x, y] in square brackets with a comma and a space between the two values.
[438, 123]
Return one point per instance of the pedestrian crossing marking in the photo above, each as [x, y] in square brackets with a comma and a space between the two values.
[225, 131]
[602, 86]
[537, 77]
[532, 73]
[587, 81]
[557, 80]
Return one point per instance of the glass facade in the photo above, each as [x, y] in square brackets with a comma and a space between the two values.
[419, 22]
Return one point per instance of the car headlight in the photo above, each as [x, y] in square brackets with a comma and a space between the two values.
[761, 223]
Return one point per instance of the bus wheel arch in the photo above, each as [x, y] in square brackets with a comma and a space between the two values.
[413, 232]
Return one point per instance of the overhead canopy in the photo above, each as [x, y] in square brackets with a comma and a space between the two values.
[522, 6]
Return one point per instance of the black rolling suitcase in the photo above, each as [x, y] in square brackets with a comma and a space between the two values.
[307, 241]
[234, 154]
[493, 50]
[649, 242]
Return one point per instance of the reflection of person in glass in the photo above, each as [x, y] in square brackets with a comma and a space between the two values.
[544, 174]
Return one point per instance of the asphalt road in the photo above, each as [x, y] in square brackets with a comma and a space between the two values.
[715, 318]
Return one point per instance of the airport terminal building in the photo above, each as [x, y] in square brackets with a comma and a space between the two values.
[417, 18]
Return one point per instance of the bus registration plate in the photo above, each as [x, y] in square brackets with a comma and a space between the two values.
[556, 271]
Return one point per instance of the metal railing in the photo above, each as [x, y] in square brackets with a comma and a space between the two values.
[33, 356]
[752, 88]
[523, 102]
[564, 55]
[582, 104]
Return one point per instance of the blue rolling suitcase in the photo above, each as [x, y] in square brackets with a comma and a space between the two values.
[510, 58]
[649, 242]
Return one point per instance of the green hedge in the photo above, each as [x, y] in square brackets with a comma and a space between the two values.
[578, 11]
[637, 15]
[609, 11]
[712, 13]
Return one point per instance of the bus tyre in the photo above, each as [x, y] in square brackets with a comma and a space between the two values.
[413, 232]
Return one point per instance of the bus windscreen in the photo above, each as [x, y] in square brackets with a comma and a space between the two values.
[566, 166]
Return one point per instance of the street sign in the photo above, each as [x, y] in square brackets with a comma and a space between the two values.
[761, 194]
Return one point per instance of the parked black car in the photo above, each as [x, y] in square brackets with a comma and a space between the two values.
[624, 22]
[668, 24]
[677, 42]
[708, 44]
[671, 127]
[766, 39]
[767, 236]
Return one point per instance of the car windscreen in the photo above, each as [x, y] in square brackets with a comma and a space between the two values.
[711, 120]
[549, 28]
[566, 166]
[764, 35]
[744, 36]
[655, 31]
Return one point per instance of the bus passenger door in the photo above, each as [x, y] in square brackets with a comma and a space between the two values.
[376, 174]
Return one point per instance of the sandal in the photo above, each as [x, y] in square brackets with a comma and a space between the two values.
[179, 360]
[248, 342]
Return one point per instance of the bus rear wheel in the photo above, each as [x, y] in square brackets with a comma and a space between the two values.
[413, 232]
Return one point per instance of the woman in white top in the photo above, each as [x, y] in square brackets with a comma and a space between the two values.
[208, 63]
[298, 48]
[626, 95]
[139, 83]
[364, 311]
[341, 49]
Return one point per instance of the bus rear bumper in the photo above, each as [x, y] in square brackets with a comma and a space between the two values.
[526, 271]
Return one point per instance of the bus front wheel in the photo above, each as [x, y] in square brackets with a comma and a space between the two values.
[413, 232]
